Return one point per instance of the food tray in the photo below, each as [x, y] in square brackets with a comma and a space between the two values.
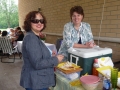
[70, 70]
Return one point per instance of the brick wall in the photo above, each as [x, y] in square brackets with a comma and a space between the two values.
[57, 14]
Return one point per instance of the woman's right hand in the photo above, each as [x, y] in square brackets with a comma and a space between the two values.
[60, 58]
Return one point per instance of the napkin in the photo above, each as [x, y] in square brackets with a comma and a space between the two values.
[105, 61]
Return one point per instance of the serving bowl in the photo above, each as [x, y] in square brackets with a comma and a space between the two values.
[90, 82]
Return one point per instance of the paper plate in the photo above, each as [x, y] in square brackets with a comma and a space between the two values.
[74, 66]
[89, 79]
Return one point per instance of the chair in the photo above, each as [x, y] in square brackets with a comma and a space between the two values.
[6, 49]
[19, 48]
[58, 43]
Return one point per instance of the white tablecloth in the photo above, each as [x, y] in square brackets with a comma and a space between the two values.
[52, 47]
[19, 46]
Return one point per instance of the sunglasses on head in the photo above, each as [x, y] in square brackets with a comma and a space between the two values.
[37, 21]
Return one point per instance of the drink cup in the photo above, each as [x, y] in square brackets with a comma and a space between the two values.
[114, 77]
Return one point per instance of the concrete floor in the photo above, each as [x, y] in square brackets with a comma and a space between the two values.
[10, 74]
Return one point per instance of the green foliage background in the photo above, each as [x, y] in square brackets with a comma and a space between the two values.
[8, 14]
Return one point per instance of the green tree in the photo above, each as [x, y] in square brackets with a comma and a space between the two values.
[8, 14]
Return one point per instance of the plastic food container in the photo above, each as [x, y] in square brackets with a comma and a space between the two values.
[71, 76]
[90, 82]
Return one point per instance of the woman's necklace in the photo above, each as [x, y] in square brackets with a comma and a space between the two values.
[77, 26]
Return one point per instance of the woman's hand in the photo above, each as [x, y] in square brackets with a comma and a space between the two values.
[60, 58]
[53, 53]
[90, 44]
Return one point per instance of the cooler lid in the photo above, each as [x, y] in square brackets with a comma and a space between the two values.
[89, 52]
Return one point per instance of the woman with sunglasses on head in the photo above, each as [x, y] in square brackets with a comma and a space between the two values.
[76, 34]
[38, 67]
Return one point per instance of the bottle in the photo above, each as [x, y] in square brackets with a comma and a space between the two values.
[95, 66]
[106, 84]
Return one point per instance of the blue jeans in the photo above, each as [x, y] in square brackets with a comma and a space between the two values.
[36, 89]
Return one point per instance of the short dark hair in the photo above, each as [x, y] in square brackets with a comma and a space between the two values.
[4, 33]
[18, 28]
[32, 15]
[77, 9]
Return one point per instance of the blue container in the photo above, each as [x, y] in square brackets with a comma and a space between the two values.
[106, 84]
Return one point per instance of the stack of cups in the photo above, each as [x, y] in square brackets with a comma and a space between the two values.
[114, 77]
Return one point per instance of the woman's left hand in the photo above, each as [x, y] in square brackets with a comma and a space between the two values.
[90, 44]
[53, 53]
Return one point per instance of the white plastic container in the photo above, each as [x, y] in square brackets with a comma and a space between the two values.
[71, 76]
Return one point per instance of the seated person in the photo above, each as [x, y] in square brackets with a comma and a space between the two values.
[0, 32]
[20, 36]
[4, 33]
[12, 32]
[76, 34]
[17, 29]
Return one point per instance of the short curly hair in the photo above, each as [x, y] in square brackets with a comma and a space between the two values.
[77, 9]
[32, 15]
